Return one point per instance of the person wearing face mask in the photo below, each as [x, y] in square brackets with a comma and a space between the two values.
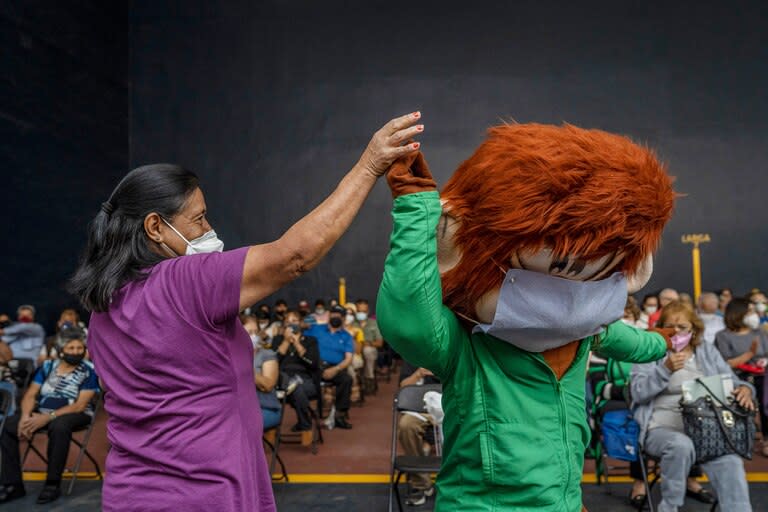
[265, 374]
[25, 337]
[67, 320]
[666, 296]
[760, 302]
[631, 312]
[320, 315]
[656, 393]
[745, 346]
[649, 307]
[336, 354]
[165, 301]
[709, 314]
[59, 399]
[279, 310]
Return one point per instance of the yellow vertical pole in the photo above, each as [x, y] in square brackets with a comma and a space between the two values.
[695, 240]
[696, 272]
[342, 291]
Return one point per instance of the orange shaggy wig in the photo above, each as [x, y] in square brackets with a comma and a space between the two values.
[581, 192]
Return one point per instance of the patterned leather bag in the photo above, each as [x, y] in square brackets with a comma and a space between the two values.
[717, 429]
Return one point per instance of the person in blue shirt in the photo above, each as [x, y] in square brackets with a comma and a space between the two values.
[58, 400]
[336, 350]
[26, 336]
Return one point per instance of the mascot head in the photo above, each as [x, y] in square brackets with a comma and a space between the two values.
[560, 200]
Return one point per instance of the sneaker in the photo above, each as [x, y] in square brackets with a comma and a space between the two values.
[418, 497]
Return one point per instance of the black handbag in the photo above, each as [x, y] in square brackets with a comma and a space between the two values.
[717, 429]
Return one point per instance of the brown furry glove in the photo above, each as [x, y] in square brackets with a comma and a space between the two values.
[667, 332]
[410, 174]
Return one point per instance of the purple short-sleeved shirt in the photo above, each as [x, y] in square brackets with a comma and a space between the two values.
[177, 365]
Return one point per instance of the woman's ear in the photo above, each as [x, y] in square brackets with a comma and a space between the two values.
[640, 278]
[153, 227]
[448, 255]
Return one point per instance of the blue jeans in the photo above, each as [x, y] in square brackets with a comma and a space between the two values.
[271, 418]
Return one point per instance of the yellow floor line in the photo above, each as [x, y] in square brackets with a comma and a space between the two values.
[587, 478]
[342, 478]
[39, 476]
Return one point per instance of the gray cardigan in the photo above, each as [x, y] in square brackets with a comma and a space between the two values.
[650, 379]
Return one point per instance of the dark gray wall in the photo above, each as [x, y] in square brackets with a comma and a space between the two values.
[63, 138]
[271, 102]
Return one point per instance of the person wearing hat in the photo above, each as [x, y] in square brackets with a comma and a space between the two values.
[59, 400]
[26, 336]
[336, 353]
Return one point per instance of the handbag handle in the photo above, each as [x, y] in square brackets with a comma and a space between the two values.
[714, 397]
[723, 428]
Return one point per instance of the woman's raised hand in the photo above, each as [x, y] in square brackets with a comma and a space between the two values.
[392, 141]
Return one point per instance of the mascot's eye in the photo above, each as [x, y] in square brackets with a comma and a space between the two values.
[571, 267]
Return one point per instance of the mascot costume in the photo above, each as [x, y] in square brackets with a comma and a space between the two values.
[501, 286]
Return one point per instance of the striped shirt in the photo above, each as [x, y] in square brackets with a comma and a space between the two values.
[58, 391]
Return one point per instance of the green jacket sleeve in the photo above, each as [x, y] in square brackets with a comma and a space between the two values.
[409, 308]
[625, 343]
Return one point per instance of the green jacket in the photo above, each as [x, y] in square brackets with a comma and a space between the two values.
[514, 435]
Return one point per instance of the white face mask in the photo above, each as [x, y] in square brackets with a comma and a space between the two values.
[752, 321]
[537, 312]
[349, 319]
[761, 307]
[651, 309]
[361, 317]
[206, 243]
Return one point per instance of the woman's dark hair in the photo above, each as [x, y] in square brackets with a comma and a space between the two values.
[118, 249]
[734, 313]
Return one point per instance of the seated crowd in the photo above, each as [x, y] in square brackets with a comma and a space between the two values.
[728, 335]
[301, 352]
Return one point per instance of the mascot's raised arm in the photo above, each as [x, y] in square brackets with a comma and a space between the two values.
[502, 283]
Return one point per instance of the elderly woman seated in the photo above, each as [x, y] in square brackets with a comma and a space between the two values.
[58, 400]
[656, 393]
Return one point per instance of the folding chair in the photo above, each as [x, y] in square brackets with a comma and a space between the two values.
[83, 445]
[612, 378]
[410, 398]
[276, 433]
[655, 472]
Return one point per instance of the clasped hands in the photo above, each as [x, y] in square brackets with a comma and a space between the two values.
[32, 423]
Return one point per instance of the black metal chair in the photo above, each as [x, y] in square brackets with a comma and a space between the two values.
[275, 446]
[82, 445]
[410, 399]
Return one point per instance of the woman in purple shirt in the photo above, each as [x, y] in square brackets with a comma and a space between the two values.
[176, 364]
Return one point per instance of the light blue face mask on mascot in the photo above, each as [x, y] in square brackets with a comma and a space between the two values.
[537, 312]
